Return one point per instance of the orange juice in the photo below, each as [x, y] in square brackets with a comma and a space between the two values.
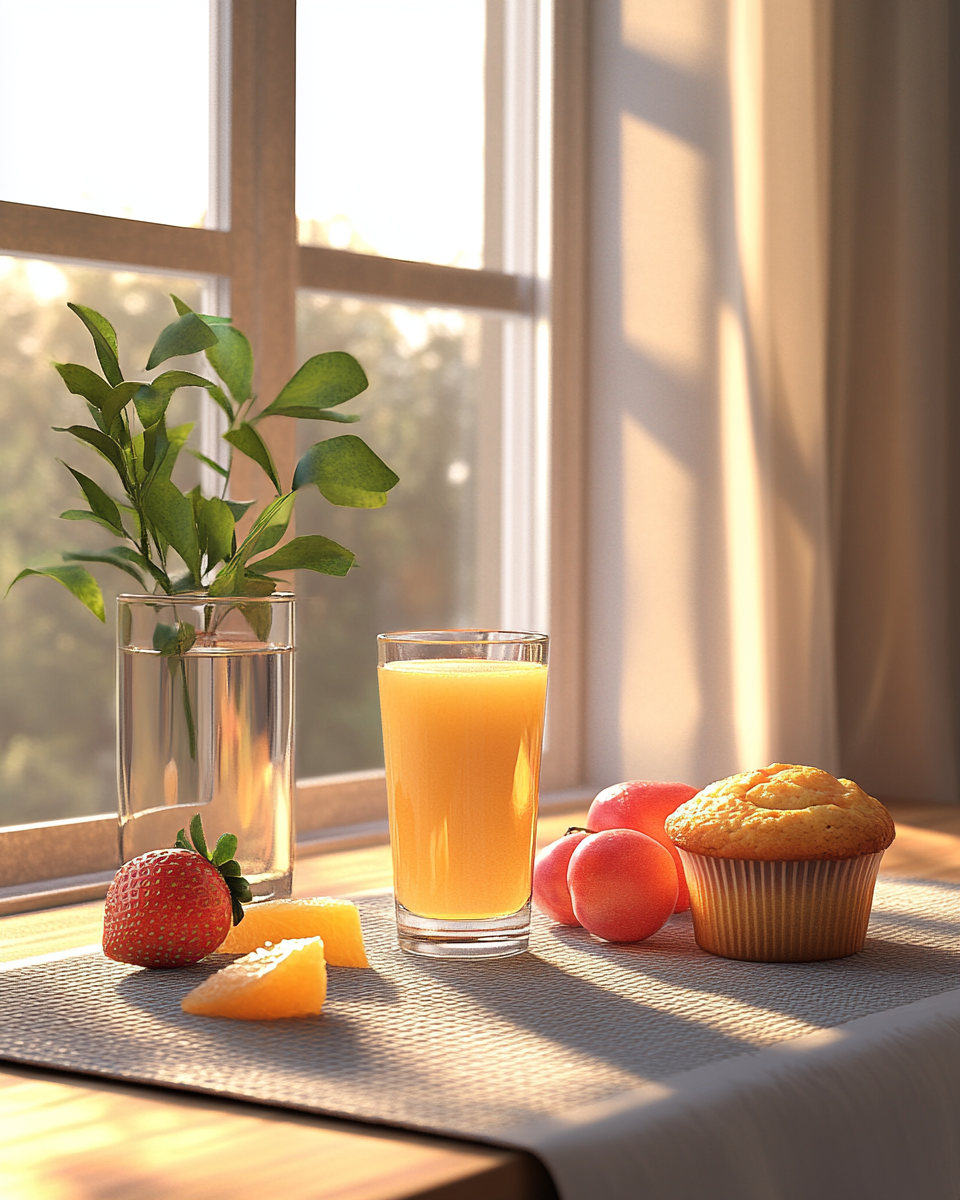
[462, 742]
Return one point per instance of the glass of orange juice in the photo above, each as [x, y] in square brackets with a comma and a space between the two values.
[462, 715]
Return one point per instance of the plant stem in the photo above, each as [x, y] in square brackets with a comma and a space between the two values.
[188, 709]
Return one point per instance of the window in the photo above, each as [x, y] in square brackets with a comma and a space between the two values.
[434, 254]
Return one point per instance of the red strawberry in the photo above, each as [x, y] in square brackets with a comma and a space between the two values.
[170, 908]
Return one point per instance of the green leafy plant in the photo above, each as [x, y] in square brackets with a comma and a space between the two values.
[173, 542]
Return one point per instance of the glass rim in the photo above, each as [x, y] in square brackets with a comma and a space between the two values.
[195, 599]
[462, 637]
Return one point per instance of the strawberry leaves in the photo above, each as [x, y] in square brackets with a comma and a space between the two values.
[223, 859]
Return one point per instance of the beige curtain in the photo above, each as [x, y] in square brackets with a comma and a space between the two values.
[773, 509]
[894, 445]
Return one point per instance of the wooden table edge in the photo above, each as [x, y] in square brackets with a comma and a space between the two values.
[171, 1142]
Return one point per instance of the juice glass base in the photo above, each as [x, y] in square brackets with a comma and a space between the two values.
[271, 887]
[496, 937]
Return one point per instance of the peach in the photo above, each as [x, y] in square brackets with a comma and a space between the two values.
[644, 805]
[623, 885]
[550, 892]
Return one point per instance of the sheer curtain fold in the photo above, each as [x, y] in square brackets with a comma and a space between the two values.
[890, 390]
[773, 441]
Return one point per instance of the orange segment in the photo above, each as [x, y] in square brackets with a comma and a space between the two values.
[288, 980]
[336, 921]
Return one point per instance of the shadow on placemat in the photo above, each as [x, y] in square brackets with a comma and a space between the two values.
[475, 1048]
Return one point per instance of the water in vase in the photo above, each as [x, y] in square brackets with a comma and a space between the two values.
[209, 731]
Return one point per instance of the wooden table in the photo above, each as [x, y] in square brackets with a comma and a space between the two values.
[65, 1137]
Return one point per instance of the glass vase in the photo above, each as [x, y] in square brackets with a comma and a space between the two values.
[205, 725]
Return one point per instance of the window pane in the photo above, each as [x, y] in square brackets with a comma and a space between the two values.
[57, 751]
[429, 558]
[104, 107]
[390, 127]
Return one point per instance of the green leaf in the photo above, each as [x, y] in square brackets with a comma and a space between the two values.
[101, 442]
[149, 441]
[257, 585]
[169, 444]
[323, 381]
[168, 509]
[269, 527]
[120, 433]
[181, 843]
[81, 381]
[239, 890]
[187, 335]
[83, 514]
[215, 526]
[165, 640]
[239, 507]
[259, 617]
[153, 398]
[208, 462]
[196, 833]
[219, 397]
[311, 553]
[182, 307]
[169, 381]
[211, 319]
[77, 580]
[267, 530]
[129, 555]
[122, 557]
[224, 855]
[229, 582]
[99, 501]
[329, 415]
[246, 439]
[117, 401]
[151, 404]
[347, 472]
[171, 640]
[104, 341]
[96, 417]
[177, 438]
[132, 516]
[232, 359]
[184, 582]
[187, 378]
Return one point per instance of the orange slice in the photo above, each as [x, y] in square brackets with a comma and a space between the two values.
[336, 921]
[288, 980]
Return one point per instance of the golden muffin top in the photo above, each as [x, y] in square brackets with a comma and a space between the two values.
[783, 813]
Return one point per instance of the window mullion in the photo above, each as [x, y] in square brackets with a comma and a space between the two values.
[325, 269]
[263, 216]
[564, 765]
[63, 233]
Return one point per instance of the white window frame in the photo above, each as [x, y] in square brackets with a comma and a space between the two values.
[256, 253]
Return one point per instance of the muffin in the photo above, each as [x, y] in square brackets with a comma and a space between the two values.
[781, 863]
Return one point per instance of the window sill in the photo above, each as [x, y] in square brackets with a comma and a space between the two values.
[334, 813]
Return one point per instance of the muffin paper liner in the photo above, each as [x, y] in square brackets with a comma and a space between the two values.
[780, 911]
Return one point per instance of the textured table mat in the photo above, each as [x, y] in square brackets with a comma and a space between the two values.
[477, 1049]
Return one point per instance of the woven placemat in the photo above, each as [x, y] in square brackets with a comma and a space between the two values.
[475, 1049]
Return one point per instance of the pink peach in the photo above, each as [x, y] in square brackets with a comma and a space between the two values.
[550, 892]
[644, 805]
[623, 885]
